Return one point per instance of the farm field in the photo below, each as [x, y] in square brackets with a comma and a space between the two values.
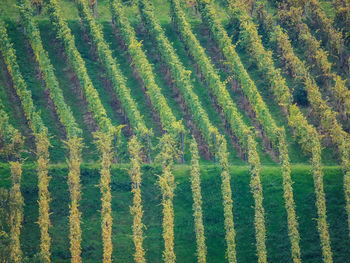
[174, 131]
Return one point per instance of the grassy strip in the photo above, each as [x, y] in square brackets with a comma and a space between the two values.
[118, 80]
[41, 140]
[324, 112]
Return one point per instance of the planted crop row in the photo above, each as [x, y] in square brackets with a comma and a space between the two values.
[64, 112]
[179, 74]
[32, 32]
[16, 213]
[308, 136]
[264, 117]
[332, 37]
[182, 78]
[230, 234]
[75, 146]
[247, 86]
[292, 19]
[78, 64]
[197, 203]
[328, 120]
[104, 146]
[134, 148]
[252, 42]
[33, 117]
[114, 73]
[167, 185]
[11, 142]
[106, 127]
[342, 17]
[217, 88]
[264, 61]
[41, 139]
[144, 68]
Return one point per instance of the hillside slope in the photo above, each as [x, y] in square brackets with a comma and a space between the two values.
[67, 79]
[277, 236]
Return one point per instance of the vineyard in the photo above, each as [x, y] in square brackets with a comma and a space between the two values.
[174, 131]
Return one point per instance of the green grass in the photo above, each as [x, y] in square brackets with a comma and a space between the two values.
[167, 91]
[137, 93]
[98, 76]
[64, 78]
[328, 8]
[201, 90]
[294, 148]
[27, 64]
[200, 30]
[278, 246]
[13, 111]
[277, 241]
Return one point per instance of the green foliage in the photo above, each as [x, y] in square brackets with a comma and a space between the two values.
[42, 150]
[4, 225]
[35, 122]
[278, 245]
[78, 64]
[331, 36]
[228, 206]
[136, 209]
[32, 32]
[144, 68]
[16, 213]
[75, 146]
[292, 19]
[239, 72]
[342, 94]
[11, 141]
[104, 146]
[342, 17]
[197, 203]
[217, 88]
[216, 215]
[181, 77]
[167, 185]
[325, 113]
[322, 224]
[118, 80]
[41, 139]
[251, 40]
[289, 198]
[263, 115]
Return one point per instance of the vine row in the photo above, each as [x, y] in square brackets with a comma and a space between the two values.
[179, 75]
[134, 148]
[328, 119]
[219, 34]
[252, 42]
[292, 19]
[63, 110]
[167, 185]
[11, 140]
[197, 203]
[11, 143]
[182, 78]
[118, 80]
[41, 139]
[78, 64]
[331, 37]
[144, 68]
